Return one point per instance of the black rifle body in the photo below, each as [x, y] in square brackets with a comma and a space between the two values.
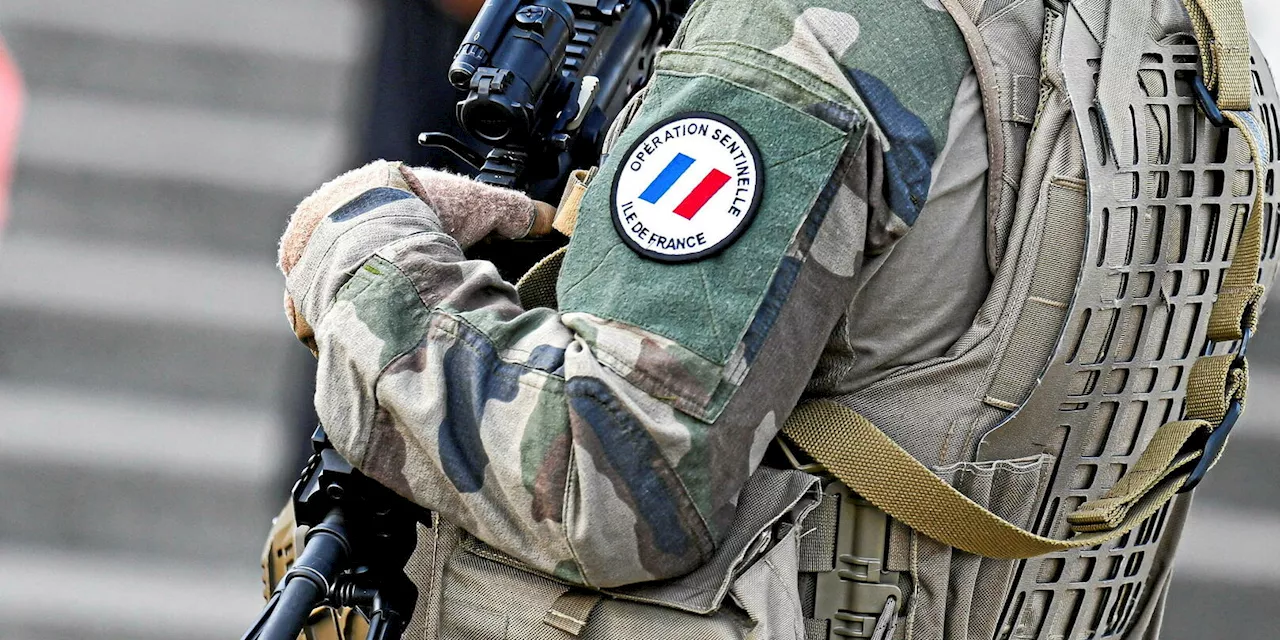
[544, 80]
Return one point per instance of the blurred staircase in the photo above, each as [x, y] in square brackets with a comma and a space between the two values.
[142, 348]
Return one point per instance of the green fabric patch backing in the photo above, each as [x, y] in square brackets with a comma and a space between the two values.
[887, 44]
[704, 305]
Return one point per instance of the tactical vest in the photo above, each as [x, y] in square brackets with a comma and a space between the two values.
[1029, 475]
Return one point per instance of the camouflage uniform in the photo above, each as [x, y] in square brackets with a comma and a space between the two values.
[606, 442]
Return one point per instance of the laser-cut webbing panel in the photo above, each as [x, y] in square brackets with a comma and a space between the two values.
[1161, 225]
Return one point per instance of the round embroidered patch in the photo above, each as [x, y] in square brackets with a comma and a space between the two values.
[687, 188]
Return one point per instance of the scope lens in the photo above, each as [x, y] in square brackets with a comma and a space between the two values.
[460, 74]
[489, 122]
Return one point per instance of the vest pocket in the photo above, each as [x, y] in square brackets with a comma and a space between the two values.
[436, 543]
[486, 599]
[748, 589]
[958, 595]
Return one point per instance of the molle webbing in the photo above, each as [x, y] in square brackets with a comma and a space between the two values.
[872, 464]
[572, 610]
[537, 287]
[1128, 22]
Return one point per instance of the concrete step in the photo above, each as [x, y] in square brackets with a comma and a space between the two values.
[131, 140]
[1265, 347]
[58, 59]
[1264, 22]
[156, 323]
[83, 205]
[134, 475]
[1226, 576]
[48, 346]
[1247, 476]
[1206, 609]
[325, 30]
[52, 594]
[99, 281]
[1222, 543]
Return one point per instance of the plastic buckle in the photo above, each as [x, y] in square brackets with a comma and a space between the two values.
[1217, 439]
[796, 460]
[854, 595]
[1213, 445]
[1208, 102]
[1246, 334]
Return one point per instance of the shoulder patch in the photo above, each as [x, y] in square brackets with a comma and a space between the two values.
[687, 188]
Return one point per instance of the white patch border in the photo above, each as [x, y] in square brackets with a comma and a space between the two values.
[747, 219]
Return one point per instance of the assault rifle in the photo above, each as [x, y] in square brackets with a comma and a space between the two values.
[544, 80]
[360, 535]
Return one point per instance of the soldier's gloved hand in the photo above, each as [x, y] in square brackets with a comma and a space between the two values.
[469, 211]
[472, 211]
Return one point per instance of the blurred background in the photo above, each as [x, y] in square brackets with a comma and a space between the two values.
[149, 397]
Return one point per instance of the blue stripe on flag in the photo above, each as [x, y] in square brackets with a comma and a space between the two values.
[668, 177]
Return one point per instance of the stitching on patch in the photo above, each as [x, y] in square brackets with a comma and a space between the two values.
[843, 165]
[706, 292]
[808, 153]
[594, 269]
[838, 134]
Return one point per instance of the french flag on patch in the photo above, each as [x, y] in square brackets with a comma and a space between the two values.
[704, 168]
[707, 188]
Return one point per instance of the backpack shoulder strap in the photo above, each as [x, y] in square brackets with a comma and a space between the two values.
[989, 86]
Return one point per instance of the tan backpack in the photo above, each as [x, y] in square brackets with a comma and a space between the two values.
[1133, 221]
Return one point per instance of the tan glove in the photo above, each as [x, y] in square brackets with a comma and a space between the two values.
[469, 211]
[472, 211]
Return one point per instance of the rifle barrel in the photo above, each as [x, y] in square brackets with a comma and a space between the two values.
[307, 584]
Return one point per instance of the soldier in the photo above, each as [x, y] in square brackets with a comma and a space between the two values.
[998, 231]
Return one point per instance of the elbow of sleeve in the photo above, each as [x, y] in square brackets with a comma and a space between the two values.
[625, 543]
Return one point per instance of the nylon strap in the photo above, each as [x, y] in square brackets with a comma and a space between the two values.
[1128, 22]
[1158, 461]
[1214, 382]
[567, 213]
[571, 611]
[872, 464]
[537, 287]
[1236, 307]
[1224, 50]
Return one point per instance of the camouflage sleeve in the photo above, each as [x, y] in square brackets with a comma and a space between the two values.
[606, 442]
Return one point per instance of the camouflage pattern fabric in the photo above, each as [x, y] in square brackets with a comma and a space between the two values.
[606, 442]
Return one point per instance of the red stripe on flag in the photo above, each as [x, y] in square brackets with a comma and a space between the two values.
[702, 194]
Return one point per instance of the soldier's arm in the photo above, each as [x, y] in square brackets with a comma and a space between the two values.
[606, 442]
